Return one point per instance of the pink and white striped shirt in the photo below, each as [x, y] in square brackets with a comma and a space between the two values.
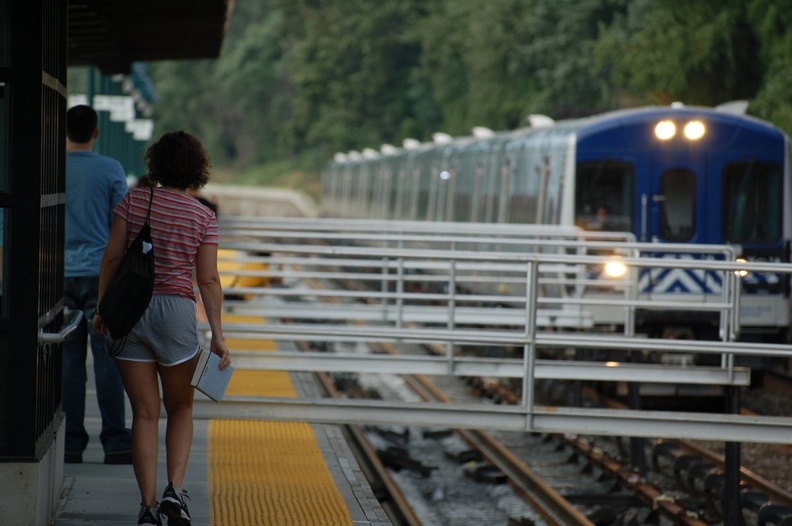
[179, 225]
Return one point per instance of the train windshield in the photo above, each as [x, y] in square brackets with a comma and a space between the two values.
[678, 205]
[603, 195]
[752, 202]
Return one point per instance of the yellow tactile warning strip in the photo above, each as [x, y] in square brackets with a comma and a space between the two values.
[268, 473]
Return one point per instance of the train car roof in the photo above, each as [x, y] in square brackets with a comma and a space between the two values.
[593, 123]
[590, 126]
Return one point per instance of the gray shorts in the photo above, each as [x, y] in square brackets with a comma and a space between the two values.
[167, 333]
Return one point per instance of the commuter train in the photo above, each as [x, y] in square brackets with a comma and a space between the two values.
[676, 174]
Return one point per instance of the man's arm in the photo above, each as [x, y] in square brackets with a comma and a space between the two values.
[118, 188]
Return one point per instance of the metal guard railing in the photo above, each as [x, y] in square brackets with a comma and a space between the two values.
[461, 293]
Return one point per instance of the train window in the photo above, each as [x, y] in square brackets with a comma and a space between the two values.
[463, 186]
[522, 205]
[491, 192]
[678, 207]
[604, 195]
[397, 194]
[439, 201]
[363, 198]
[424, 193]
[383, 193]
[752, 202]
[476, 207]
[505, 188]
[415, 180]
[451, 182]
[345, 192]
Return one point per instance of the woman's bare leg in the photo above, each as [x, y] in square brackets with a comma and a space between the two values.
[142, 387]
[177, 395]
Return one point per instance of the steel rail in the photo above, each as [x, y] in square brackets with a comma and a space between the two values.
[546, 500]
[396, 504]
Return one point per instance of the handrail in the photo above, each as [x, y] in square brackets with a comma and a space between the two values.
[45, 338]
[389, 303]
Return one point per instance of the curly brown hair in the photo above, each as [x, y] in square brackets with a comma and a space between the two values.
[178, 159]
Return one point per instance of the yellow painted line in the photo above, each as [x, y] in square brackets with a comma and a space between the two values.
[229, 263]
[267, 473]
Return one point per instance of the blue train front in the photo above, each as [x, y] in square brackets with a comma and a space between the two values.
[692, 175]
[666, 174]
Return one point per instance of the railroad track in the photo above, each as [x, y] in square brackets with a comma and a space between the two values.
[553, 508]
[542, 496]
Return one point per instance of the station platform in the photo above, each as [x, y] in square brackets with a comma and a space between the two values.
[241, 473]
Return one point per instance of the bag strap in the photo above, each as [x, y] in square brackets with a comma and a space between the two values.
[148, 214]
[151, 198]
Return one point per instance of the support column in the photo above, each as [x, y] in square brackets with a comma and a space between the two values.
[32, 196]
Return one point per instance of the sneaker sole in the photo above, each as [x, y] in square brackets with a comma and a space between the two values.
[174, 512]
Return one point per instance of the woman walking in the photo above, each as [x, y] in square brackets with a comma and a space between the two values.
[163, 346]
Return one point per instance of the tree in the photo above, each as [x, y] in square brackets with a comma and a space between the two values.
[772, 20]
[704, 52]
[354, 70]
[302, 79]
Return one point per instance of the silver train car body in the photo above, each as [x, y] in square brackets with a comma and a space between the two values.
[669, 175]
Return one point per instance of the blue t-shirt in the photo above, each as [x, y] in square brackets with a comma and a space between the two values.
[94, 186]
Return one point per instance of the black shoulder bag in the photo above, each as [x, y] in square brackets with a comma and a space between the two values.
[129, 293]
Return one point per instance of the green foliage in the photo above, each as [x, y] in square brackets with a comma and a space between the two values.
[301, 79]
[352, 71]
[772, 20]
[702, 52]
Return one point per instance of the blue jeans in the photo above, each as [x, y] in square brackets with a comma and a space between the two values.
[80, 294]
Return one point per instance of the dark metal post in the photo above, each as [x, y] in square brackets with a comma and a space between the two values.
[732, 514]
[34, 210]
[637, 444]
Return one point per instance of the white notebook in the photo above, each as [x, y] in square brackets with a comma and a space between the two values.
[208, 378]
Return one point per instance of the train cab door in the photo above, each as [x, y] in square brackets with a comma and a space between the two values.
[669, 205]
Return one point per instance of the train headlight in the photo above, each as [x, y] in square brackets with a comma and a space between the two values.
[741, 273]
[665, 130]
[615, 269]
[694, 130]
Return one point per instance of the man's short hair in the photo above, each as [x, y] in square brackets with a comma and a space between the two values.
[81, 121]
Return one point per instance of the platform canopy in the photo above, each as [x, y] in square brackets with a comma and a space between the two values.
[112, 34]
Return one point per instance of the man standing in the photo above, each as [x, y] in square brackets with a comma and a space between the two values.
[94, 186]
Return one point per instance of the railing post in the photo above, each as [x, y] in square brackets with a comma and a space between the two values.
[451, 307]
[384, 289]
[730, 320]
[529, 347]
[637, 444]
[399, 292]
[631, 295]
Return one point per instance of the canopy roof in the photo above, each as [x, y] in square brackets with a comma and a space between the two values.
[112, 34]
